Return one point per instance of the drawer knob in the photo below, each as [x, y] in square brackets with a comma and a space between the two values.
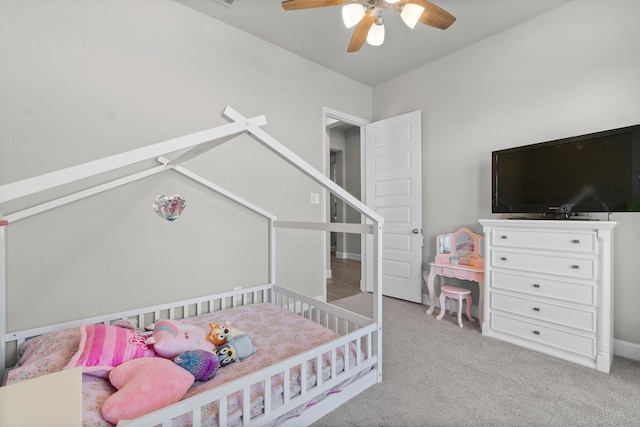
[536, 308]
[504, 258]
[536, 332]
[503, 237]
[575, 241]
[575, 266]
[535, 285]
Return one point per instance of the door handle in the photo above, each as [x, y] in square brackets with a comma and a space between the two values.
[415, 231]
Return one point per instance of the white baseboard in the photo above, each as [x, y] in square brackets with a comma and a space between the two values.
[621, 348]
[626, 349]
[347, 255]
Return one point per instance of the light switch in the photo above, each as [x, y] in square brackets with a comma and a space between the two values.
[315, 198]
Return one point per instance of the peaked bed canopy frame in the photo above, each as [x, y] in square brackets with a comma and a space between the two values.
[191, 145]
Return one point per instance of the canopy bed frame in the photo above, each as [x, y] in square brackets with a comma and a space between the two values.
[352, 329]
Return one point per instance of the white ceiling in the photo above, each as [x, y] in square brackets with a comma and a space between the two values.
[320, 36]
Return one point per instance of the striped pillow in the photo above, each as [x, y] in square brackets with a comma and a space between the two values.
[103, 347]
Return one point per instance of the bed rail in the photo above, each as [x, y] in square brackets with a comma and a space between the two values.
[242, 388]
[315, 310]
[357, 332]
[141, 317]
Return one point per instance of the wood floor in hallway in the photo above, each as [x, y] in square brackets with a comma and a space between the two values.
[345, 280]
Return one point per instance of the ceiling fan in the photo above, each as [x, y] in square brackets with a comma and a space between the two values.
[367, 15]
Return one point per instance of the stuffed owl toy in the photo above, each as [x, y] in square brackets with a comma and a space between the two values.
[202, 364]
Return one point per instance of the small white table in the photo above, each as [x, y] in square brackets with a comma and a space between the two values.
[464, 272]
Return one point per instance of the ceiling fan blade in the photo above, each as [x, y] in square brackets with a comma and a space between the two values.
[308, 4]
[360, 34]
[433, 15]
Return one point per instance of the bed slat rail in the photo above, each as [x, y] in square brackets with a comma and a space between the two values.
[240, 390]
[141, 317]
[315, 310]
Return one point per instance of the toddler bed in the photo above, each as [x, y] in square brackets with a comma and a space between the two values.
[311, 356]
[315, 348]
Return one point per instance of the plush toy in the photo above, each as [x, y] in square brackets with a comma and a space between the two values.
[219, 333]
[226, 355]
[202, 364]
[170, 338]
[243, 345]
[236, 349]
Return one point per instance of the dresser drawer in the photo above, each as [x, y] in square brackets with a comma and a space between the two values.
[575, 343]
[556, 264]
[566, 291]
[564, 316]
[560, 240]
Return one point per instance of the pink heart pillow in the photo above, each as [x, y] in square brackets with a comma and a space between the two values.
[144, 385]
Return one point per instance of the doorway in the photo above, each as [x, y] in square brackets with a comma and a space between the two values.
[389, 173]
[344, 267]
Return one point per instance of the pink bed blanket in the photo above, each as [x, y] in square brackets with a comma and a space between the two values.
[277, 333]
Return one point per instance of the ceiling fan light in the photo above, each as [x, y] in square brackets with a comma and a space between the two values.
[352, 14]
[375, 36]
[392, 1]
[411, 14]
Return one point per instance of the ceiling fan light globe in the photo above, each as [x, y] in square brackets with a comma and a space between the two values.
[392, 1]
[411, 14]
[352, 14]
[375, 36]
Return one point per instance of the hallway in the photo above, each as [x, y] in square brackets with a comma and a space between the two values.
[345, 280]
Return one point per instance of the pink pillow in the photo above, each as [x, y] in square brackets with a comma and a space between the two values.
[170, 338]
[144, 385]
[102, 347]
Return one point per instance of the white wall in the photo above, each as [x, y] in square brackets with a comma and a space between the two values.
[569, 72]
[83, 80]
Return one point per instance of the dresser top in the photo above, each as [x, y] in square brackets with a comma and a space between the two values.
[569, 224]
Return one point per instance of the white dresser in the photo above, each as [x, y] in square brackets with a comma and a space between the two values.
[548, 287]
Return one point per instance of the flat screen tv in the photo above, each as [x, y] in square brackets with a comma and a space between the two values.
[598, 172]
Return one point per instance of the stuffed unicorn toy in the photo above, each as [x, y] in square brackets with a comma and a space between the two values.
[170, 338]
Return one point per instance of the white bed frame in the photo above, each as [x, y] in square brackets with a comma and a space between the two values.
[364, 332]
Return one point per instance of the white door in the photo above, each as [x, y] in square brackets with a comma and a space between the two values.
[393, 184]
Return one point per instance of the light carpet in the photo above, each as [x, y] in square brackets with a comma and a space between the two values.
[437, 374]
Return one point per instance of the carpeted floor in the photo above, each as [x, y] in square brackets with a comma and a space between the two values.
[437, 374]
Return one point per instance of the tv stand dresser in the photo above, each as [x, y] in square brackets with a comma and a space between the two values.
[548, 287]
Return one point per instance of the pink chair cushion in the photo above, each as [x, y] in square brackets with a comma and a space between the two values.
[454, 290]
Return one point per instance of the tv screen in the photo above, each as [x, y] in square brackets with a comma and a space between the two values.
[598, 172]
